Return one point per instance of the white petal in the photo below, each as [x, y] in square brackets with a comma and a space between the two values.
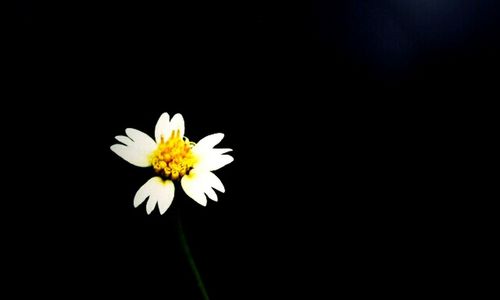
[221, 161]
[211, 193]
[221, 150]
[162, 126]
[208, 142]
[124, 139]
[153, 199]
[211, 161]
[141, 140]
[198, 183]
[133, 155]
[192, 184]
[158, 191]
[166, 196]
[136, 149]
[177, 123]
[214, 181]
[145, 190]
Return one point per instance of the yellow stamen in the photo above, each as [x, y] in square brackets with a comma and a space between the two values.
[173, 158]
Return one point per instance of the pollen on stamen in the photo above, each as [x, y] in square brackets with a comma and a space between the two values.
[173, 158]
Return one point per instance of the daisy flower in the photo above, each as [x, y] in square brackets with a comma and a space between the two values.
[174, 158]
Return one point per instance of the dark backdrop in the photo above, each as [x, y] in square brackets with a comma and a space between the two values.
[344, 118]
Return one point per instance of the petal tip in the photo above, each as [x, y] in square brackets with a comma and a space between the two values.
[114, 148]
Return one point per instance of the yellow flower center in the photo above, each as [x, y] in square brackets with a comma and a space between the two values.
[173, 158]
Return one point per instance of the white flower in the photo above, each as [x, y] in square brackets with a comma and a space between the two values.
[174, 158]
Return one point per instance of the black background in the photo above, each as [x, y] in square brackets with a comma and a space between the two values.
[344, 118]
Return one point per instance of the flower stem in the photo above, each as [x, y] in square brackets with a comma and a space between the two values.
[192, 264]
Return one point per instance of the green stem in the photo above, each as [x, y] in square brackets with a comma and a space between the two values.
[192, 264]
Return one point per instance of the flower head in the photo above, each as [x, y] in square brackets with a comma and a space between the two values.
[174, 158]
